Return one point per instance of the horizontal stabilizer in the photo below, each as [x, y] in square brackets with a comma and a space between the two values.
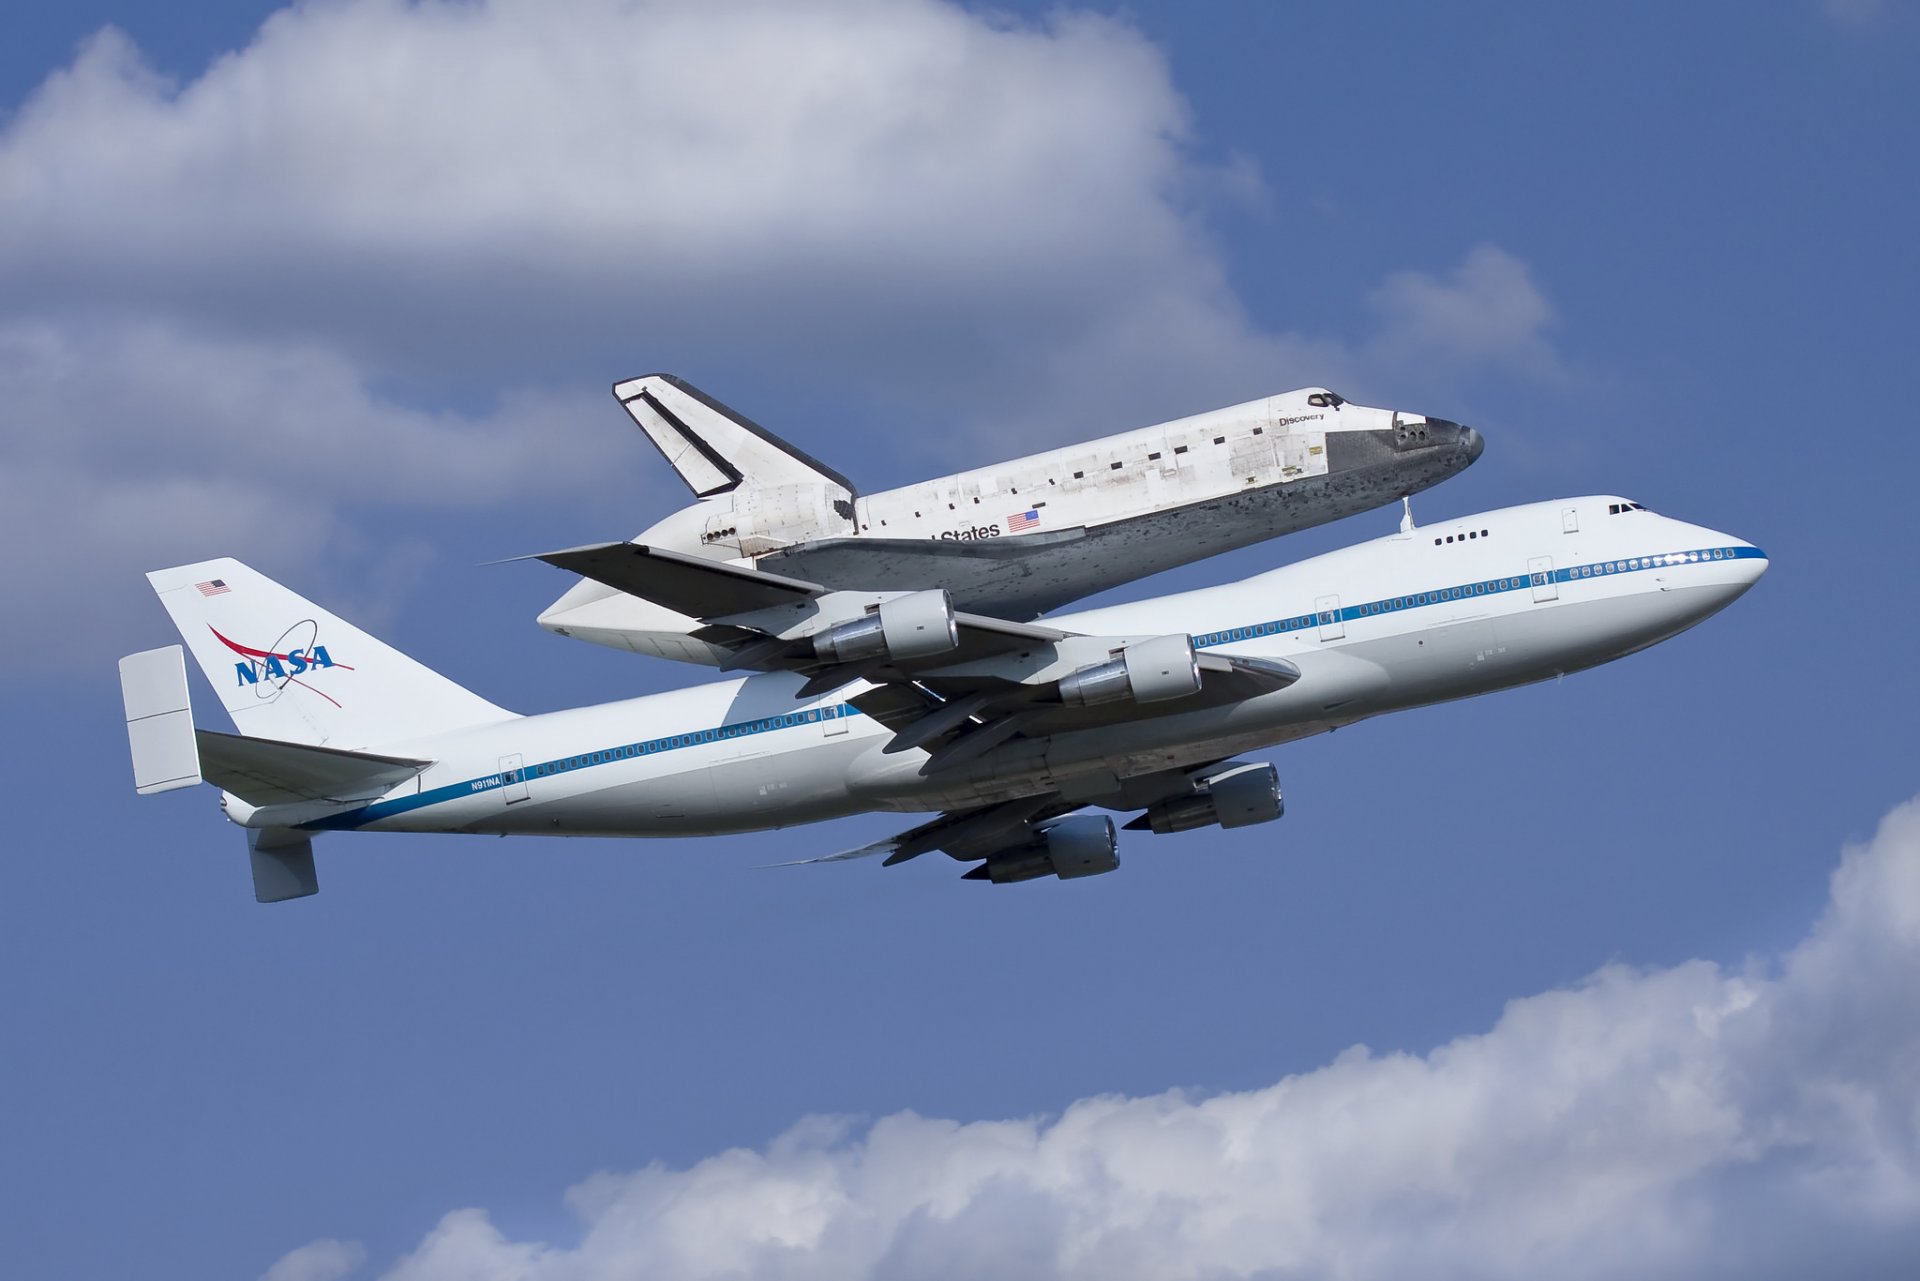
[716, 449]
[153, 685]
[265, 771]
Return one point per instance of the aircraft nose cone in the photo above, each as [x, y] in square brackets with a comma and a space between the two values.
[1754, 565]
[1473, 442]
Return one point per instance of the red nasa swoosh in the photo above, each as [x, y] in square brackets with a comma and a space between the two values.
[249, 652]
[238, 648]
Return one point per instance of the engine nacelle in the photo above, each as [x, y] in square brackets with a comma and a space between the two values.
[1239, 797]
[918, 625]
[1148, 671]
[1083, 845]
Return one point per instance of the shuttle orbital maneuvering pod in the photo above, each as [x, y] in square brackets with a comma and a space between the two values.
[877, 699]
[1015, 539]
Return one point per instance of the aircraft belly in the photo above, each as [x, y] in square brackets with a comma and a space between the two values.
[742, 794]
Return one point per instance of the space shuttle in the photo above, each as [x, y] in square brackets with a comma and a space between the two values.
[1012, 540]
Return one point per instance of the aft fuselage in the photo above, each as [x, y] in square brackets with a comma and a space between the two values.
[1437, 613]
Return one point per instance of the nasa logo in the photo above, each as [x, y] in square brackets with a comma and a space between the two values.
[968, 535]
[269, 671]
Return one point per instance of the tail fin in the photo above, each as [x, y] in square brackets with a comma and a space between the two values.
[715, 449]
[287, 669]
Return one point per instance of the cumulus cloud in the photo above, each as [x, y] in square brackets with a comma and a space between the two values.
[1488, 310]
[324, 1260]
[1681, 1122]
[409, 245]
[136, 445]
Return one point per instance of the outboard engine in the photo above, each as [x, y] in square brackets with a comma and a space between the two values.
[1237, 797]
[1081, 845]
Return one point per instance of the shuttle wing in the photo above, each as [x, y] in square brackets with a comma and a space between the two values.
[1020, 576]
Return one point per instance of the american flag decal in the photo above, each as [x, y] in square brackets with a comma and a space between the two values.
[1020, 522]
[212, 587]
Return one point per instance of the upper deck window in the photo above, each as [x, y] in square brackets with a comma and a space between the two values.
[1326, 400]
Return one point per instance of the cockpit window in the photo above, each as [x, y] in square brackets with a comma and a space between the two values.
[1614, 509]
[1326, 400]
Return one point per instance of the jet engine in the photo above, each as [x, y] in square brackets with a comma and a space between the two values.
[1082, 845]
[1238, 797]
[917, 625]
[1148, 671]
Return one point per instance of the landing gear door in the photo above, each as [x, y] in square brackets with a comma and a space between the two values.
[1326, 611]
[1540, 574]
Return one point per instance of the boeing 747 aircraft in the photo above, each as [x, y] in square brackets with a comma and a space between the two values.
[1016, 538]
[897, 701]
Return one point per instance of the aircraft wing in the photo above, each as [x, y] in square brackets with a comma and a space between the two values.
[990, 834]
[716, 592]
[955, 684]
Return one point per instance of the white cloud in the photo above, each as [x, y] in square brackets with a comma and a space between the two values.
[324, 1260]
[1488, 310]
[132, 446]
[389, 255]
[1682, 1122]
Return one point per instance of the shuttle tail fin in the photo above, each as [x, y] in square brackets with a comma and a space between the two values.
[287, 669]
[716, 449]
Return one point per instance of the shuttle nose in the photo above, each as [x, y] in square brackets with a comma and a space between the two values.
[1441, 433]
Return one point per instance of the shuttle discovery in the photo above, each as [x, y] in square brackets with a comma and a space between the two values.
[1003, 730]
[1015, 539]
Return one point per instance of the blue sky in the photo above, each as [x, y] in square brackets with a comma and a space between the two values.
[342, 296]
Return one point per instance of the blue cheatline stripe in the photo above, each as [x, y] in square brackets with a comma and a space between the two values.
[1484, 587]
[814, 715]
[584, 760]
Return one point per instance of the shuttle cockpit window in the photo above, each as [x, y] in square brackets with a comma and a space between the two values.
[1326, 400]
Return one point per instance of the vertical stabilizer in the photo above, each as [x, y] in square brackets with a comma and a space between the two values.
[716, 449]
[286, 669]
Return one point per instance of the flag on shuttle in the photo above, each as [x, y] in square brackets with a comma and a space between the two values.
[1020, 522]
[213, 587]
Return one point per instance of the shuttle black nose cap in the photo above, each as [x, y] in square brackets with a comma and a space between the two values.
[1474, 442]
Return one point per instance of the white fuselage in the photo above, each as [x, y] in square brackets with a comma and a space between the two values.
[1441, 612]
